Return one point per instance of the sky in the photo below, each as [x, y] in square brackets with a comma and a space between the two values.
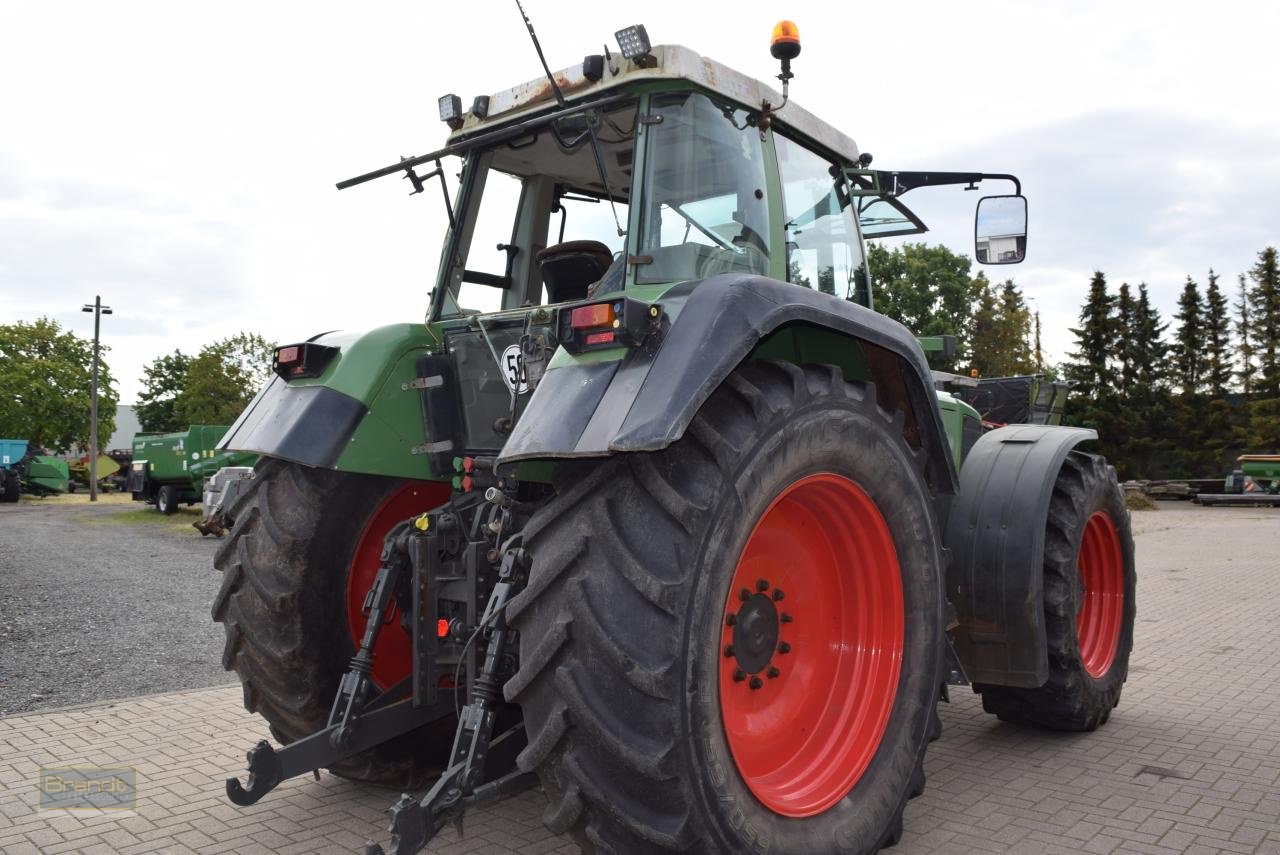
[178, 159]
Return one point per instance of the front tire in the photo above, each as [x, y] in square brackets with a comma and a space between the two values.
[305, 543]
[645, 735]
[1089, 585]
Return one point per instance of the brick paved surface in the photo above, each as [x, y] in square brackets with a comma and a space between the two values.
[1189, 763]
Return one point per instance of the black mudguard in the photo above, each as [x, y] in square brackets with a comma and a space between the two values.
[995, 533]
[645, 401]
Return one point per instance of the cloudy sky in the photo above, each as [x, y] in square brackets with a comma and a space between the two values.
[179, 158]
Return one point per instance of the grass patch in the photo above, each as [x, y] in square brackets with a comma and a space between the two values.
[80, 497]
[146, 515]
[1135, 500]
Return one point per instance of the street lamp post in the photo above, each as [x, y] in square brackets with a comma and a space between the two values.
[98, 311]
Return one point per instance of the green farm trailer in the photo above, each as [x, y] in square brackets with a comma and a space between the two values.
[169, 469]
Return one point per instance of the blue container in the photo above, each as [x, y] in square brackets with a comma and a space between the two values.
[11, 452]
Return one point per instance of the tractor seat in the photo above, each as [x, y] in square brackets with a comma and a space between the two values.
[569, 268]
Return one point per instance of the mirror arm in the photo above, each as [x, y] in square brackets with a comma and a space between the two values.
[897, 183]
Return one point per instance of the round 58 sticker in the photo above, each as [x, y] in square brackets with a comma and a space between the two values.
[513, 370]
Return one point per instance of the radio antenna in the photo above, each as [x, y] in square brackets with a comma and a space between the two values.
[555, 90]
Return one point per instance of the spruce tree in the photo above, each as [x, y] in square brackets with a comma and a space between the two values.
[1264, 305]
[1217, 339]
[1092, 399]
[1039, 355]
[1127, 324]
[1188, 351]
[1090, 371]
[1244, 334]
[1015, 331]
[1151, 350]
[1148, 436]
[983, 332]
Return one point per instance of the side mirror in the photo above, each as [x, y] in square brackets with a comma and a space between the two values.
[1000, 230]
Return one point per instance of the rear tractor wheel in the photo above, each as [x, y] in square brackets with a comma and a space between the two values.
[301, 557]
[734, 644]
[1089, 585]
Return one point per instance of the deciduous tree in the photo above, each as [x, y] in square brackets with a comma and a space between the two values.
[45, 378]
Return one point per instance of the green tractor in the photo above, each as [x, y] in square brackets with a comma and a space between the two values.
[655, 511]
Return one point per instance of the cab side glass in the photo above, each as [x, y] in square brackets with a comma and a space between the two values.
[706, 208]
[824, 251]
[1000, 230]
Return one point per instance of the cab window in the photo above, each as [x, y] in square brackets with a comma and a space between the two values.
[495, 225]
[706, 206]
[824, 250]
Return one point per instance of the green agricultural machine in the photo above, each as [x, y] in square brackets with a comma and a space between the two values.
[24, 471]
[12, 453]
[169, 469]
[104, 471]
[655, 511]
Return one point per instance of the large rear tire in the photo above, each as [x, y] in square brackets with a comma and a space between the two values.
[1089, 584]
[299, 552]
[735, 644]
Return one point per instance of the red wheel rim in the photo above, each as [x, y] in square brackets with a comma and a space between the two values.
[804, 727]
[1101, 568]
[393, 652]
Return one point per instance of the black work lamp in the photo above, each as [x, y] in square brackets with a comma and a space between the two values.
[451, 111]
[633, 42]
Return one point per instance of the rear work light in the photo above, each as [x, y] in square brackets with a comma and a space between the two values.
[302, 360]
[621, 322]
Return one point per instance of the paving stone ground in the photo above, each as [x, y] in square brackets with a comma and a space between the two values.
[1189, 763]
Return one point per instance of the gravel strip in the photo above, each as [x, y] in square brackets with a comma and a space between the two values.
[101, 601]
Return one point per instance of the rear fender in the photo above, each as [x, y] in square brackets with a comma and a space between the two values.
[995, 534]
[360, 415]
[644, 400]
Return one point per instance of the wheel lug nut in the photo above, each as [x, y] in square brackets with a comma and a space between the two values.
[773, 672]
[731, 619]
[728, 650]
[785, 618]
[756, 683]
[762, 585]
[744, 594]
[777, 594]
[784, 647]
[739, 675]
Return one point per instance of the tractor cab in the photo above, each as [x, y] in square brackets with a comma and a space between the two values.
[655, 169]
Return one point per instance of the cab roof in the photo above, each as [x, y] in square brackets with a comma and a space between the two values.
[670, 62]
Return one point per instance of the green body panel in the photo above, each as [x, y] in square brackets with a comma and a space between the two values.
[186, 457]
[1261, 467]
[954, 412]
[392, 426]
[802, 344]
[366, 358]
[47, 475]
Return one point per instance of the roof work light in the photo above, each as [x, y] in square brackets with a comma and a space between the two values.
[451, 111]
[633, 42]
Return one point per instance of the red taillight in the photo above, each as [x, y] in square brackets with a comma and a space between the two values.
[600, 338]
[596, 315]
[442, 628]
[288, 355]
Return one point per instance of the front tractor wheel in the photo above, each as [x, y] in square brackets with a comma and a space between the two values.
[302, 554]
[734, 644]
[1089, 583]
